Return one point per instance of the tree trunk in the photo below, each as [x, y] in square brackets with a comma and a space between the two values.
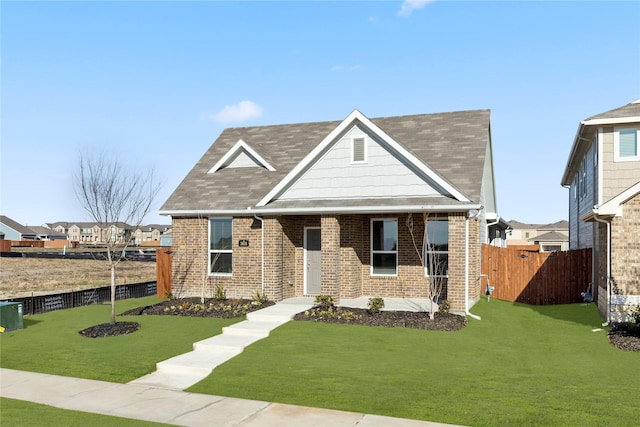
[113, 293]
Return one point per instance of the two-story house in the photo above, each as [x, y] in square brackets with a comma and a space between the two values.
[546, 237]
[603, 177]
[325, 207]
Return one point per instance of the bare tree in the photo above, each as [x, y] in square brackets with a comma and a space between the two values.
[434, 265]
[115, 197]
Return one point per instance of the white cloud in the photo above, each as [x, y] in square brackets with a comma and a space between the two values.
[240, 112]
[408, 6]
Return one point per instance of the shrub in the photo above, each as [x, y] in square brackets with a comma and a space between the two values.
[259, 298]
[445, 306]
[220, 293]
[375, 305]
[634, 325]
[324, 301]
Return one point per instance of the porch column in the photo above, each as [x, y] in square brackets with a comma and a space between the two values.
[455, 281]
[330, 281]
[273, 258]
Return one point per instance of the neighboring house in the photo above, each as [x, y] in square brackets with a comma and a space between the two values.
[549, 237]
[603, 177]
[322, 208]
[149, 233]
[44, 233]
[14, 231]
[91, 233]
[167, 238]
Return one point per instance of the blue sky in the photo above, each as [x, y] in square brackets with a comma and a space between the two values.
[156, 83]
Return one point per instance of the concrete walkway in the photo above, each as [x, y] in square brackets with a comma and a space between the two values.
[185, 370]
[177, 407]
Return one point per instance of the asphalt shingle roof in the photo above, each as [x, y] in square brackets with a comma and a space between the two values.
[452, 144]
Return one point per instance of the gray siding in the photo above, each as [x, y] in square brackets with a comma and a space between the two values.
[617, 176]
[582, 199]
[336, 176]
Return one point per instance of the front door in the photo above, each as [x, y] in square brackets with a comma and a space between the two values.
[312, 260]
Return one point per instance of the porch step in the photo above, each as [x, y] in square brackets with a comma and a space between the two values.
[185, 370]
[253, 328]
[226, 343]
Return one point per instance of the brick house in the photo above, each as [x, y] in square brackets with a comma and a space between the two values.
[321, 208]
[603, 177]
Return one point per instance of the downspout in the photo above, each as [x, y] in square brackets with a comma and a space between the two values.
[261, 252]
[598, 219]
[466, 265]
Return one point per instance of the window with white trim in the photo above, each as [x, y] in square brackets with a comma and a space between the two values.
[384, 247]
[625, 145]
[220, 246]
[436, 256]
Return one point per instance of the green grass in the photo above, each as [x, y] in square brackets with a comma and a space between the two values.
[27, 414]
[50, 343]
[519, 365]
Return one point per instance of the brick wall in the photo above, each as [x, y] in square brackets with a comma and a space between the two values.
[625, 253]
[345, 258]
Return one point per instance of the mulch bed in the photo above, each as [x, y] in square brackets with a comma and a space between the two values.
[624, 338]
[110, 330]
[390, 319]
[225, 309]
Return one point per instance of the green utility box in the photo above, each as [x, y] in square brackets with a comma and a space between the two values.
[11, 315]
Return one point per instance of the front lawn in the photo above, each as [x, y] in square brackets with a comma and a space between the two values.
[50, 342]
[28, 414]
[519, 365]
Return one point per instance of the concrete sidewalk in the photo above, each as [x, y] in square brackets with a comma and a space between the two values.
[161, 405]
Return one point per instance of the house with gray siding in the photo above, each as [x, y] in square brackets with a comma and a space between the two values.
[603, 178]
[13, 230]
[323, 208]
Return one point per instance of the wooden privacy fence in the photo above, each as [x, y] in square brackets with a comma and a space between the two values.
[163, 272]
[536, 277]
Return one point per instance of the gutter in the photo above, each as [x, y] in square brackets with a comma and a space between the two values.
[466, 265]
[322, 211]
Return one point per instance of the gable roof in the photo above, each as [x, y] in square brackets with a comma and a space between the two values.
[450, 147]
[629, 113]
[14, 225]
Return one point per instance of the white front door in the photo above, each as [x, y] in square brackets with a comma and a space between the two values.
[312, 260]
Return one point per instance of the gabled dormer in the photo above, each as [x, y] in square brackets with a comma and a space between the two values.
[241, 155]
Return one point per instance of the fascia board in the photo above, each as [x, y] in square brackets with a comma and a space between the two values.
[614, 206]
[323, 210]
[566, 177]
[611, 121]
[354, 117]
[238, 146]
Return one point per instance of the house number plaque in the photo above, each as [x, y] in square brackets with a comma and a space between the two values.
[243, 242]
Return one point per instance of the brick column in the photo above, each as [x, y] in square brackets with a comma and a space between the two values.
[190, 256]
[330, 282]
[456, 280]
[273, 258]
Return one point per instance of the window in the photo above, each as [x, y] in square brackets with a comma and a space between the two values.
[436, 257]
[384, 247]
[358, 154]
[220, 246]
[625, 143]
